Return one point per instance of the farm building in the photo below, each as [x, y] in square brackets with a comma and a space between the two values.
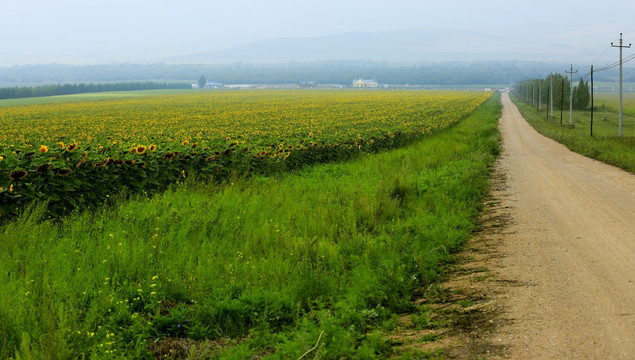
[213, 85]
[360, 83]
[308, 84]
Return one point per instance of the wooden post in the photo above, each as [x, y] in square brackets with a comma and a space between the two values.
[561, 101]
[591, 100]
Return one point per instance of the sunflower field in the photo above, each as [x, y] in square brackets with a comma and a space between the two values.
[79, 153]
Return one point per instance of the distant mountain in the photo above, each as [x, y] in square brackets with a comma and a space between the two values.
[403, 45]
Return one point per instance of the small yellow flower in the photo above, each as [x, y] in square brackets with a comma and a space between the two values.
[44, 149]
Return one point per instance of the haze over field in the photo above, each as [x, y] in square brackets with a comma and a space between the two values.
[143, 31]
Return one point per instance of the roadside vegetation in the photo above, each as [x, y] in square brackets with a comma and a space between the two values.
[605, 144]
[317, 263]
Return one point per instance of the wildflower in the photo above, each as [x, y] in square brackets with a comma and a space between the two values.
[18, 175]
[44, 149]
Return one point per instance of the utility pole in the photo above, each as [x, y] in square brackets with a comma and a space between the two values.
[551, 94]
[591, 100]
[539, 97]
[571, 94]
[621, 47]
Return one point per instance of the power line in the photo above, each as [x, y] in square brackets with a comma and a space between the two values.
[610, 66]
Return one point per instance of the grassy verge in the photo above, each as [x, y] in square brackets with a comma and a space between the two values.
[605, 145]
[320, 261]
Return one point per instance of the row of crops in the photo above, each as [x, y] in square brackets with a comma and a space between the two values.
[73, 154]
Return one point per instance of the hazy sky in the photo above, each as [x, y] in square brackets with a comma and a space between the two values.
[105, 31]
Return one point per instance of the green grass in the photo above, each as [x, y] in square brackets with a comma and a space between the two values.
[268, 262]
[89, 96]
[605, 145]
[610, 102]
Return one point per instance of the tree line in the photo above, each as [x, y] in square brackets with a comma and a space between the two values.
[539, 91]
[69, 89]
[322, 72]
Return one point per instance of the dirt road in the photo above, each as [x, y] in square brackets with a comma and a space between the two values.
[569, 247]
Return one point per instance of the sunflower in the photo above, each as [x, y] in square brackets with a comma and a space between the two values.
[61, 145]
[153, 147]
[71, 147]
[42, 168]
[44, 149]
[185, 142]
[169, 155]
[210, 158]
[64, 172]
[141, 149]
[18, 175]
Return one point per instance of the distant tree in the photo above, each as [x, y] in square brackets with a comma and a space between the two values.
[202, 81]
[581, 96]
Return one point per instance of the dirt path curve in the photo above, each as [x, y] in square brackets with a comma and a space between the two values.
[570, 247]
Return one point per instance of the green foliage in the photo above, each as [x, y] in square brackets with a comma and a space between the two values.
[581, 95]
[319, 259]
[68, 89]
[202, 81]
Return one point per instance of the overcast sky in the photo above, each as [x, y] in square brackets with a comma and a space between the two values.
[105, 31]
